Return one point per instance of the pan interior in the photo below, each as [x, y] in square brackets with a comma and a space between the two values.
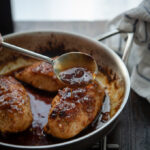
[55, 43]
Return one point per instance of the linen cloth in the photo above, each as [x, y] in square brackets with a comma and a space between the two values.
[136, 20]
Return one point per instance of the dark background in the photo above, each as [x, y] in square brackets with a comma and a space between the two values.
[6, 24]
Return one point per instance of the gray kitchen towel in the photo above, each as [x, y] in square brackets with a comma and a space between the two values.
[136, 20]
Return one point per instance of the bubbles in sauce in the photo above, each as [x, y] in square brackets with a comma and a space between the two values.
[76, 76]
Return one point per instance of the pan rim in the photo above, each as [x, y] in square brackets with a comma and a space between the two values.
[125, 99]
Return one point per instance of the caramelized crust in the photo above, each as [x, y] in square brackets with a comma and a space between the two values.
[40, 75]
[15, 111]
[74, 109]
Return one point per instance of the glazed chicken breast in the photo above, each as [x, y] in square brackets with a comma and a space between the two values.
[73, 109]
[15, 111]
[40, 75]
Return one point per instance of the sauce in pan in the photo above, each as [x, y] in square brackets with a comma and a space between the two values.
[40, 106]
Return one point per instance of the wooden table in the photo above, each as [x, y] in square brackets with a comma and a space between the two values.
[133, 129]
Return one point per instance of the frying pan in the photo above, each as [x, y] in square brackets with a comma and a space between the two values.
[51, 41]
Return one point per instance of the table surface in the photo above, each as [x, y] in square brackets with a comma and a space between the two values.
[133, 129]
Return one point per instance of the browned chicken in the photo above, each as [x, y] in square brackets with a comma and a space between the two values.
[74, 109]
[40, 75]
[15, 111]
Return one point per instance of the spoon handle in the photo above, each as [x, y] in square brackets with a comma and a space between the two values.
[27, 52]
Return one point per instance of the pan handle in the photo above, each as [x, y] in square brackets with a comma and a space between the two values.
[128, 45]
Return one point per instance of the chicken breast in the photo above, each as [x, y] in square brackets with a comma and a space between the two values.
[74, 109]
[15, 111]
[40, 75]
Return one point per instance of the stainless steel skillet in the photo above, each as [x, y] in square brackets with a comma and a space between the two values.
[50, 41]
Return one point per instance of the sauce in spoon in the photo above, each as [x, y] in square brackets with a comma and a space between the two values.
[76, 76]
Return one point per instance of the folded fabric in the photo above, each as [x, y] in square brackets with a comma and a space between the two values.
[136, 20]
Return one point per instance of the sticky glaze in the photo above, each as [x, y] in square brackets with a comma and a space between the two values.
[76, 76]
[43, 68]
[70, 99]
[12, 95]
[40, 105]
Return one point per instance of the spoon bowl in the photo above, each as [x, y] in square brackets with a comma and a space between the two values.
[74, 59]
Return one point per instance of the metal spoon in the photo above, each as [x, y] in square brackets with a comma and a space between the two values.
[61, 63]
